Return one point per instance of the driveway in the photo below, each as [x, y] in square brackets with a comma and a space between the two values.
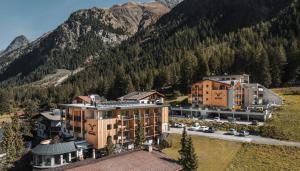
[249, 139]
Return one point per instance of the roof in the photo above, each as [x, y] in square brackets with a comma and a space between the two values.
[215, 82]
[51, 116]
[54, 149]
[110, 105]
[87, 99]
[219, 76]
[131, 161]
[139, 95]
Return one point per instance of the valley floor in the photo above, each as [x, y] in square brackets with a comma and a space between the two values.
[216, 154]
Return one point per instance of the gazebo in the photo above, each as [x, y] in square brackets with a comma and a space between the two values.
[47, 155]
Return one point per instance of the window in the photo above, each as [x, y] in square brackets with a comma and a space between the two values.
[207, 92]
[115, 126]
[115, 137]
[206, 99]
[207, 85]
[109, 127]
[147, 111]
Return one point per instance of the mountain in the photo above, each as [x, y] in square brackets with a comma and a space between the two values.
[223, 16]
[170, 3]
[202, 37]
[13, 51]
[80, 39]
[196, 38]
[18, 42]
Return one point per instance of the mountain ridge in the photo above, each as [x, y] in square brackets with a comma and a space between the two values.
[101, 28]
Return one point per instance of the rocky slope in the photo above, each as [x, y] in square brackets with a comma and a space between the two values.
[79, 40]
[170, 3]
[15, 49]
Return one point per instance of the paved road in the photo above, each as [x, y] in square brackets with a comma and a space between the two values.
[250, 139]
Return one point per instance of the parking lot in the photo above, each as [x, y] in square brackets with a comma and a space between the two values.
[220, 121]
[248, 139]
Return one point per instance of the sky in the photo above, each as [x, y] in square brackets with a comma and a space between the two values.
[33, 18]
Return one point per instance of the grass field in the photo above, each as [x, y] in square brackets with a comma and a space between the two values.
[287, 119]
[212, 154]
[266, 157]
[225, 155]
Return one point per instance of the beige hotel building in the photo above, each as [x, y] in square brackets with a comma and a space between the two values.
[118, 119]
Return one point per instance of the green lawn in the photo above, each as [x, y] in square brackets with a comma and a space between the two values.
[287, 119]
[212, 154]
[266, 157]
[218, 155]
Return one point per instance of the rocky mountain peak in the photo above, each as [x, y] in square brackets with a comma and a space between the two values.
[18, 42]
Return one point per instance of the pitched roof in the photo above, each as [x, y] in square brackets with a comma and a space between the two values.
[131, 161]
[87, 99]
[54, 149]
[139, 95]
[51, 116]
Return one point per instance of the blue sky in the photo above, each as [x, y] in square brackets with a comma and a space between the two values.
[32, 18]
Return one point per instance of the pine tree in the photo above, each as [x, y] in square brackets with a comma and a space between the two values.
[188, 158]
[12, 142]
[264, 69]
[182, 151]
[109, 146]
[5, 106]
[191, 163]
[139, 134]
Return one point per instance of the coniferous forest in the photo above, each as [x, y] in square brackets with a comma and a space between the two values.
[195, 39]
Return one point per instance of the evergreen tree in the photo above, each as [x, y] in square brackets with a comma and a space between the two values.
[182, 151]
[188, 158]
[5, 106]
[139, 138]
[188, 67]
[264, 69]
[109, 146]
[191, 163]
[12, 142]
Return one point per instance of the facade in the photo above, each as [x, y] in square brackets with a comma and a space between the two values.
[143, 97]
[215, 93]
[118, 119]
[49, 124]
[256, 94]
[231, 91]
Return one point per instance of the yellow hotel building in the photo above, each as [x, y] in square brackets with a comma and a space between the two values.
[118, 119]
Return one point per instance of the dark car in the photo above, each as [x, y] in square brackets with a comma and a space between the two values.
[210, 130]
[254, 122]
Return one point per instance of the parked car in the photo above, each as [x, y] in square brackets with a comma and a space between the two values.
[203, 128]
[243, 133]
[217, 119]
[231, 120]
[254, 122]
[231, 131]
[179, 125]
[210, 130]
[195, 127]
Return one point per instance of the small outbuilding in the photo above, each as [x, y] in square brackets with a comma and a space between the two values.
[46, 155]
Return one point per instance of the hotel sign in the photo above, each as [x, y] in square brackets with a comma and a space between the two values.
[91, 131]
[218, 95]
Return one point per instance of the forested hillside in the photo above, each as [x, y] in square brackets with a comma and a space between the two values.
[197, 38]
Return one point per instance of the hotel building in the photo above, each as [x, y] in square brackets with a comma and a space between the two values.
[231, 91]
[118, 119]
